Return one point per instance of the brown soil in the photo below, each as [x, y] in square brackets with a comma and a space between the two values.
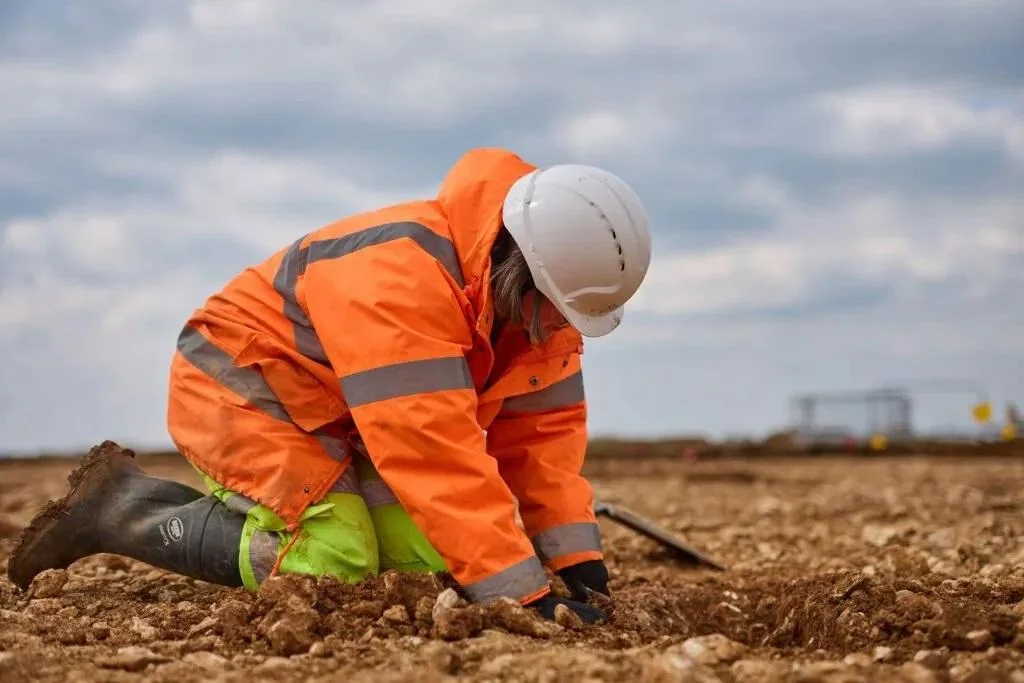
[840, 569]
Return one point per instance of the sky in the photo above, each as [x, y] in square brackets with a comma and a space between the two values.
[836, 189]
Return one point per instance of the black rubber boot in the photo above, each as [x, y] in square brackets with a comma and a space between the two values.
[113, 507]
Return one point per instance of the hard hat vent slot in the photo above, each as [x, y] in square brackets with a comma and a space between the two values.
[618, 246]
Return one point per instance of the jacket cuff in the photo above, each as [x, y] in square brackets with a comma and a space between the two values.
[560, 563]
[524, 581]
[567, 544]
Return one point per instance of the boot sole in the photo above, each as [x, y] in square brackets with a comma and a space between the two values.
[103, 463]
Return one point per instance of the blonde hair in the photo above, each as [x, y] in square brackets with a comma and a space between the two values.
[510, 281]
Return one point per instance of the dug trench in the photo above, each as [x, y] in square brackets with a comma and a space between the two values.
[881, 571]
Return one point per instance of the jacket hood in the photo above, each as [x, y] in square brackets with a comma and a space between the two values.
[471, 196]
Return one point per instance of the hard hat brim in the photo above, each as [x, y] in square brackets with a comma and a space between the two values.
[592, 325]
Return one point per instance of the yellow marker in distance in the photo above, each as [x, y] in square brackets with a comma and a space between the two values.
[878, 442]
[982, 412]
[1009, 432]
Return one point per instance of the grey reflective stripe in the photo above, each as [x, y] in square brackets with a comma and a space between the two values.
[563, 393]
[246, 382]
[298, 258]
[347, 482]
[292, 266]
[438, 246]
[263, 547]
[334, 446]
[376, 493]
[567, 539]
[516, 582]
[404, 379]
[239, 503]
[306, 340]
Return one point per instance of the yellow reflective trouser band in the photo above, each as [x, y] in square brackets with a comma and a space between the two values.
[401, 544]
[337, 538]
[343, 535]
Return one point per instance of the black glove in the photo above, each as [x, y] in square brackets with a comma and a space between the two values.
[578, 578]
[546, 608]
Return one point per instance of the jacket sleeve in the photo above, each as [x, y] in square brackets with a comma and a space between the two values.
[394, 330]
[540, 440]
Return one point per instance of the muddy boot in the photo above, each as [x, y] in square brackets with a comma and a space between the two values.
[113, 507]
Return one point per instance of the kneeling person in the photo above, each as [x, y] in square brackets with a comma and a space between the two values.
[382, 393]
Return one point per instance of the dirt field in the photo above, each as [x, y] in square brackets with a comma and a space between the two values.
[900, 569]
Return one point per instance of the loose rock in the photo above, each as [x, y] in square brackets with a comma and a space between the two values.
[881, 653]
[932, 659]
[396, 614]
[446, 600]
[878, 536]
[146, 631]
[48, 584]
[758, 671]
[289, 627]
[132, 658]
[858, 659]
[566, 618]
[204, 660]
[458, 624]
[979, 639]
[711, 649]
[508, 614]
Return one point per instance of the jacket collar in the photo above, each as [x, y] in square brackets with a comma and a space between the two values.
[471, 196]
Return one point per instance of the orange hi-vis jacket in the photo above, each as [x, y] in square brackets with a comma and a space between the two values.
[377, 327]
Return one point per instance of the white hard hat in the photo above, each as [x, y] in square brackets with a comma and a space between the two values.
[586, 239]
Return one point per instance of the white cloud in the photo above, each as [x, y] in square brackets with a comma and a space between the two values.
[259, 201]
[615, 130]
[23, 238]
[869, 240]
[884, 121]
[269, 201]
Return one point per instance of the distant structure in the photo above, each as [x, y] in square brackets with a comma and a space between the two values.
[1013, 416]
[834, 418]
[845, 417]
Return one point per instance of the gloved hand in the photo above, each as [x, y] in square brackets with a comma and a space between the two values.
[546, 608]
[592, 574]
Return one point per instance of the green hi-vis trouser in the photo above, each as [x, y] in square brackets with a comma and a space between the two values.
[357, 530]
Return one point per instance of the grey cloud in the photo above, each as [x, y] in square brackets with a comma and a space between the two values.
[973, 44]
[298, 106]
[844, 295]
[66, 33]
[962, 169]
